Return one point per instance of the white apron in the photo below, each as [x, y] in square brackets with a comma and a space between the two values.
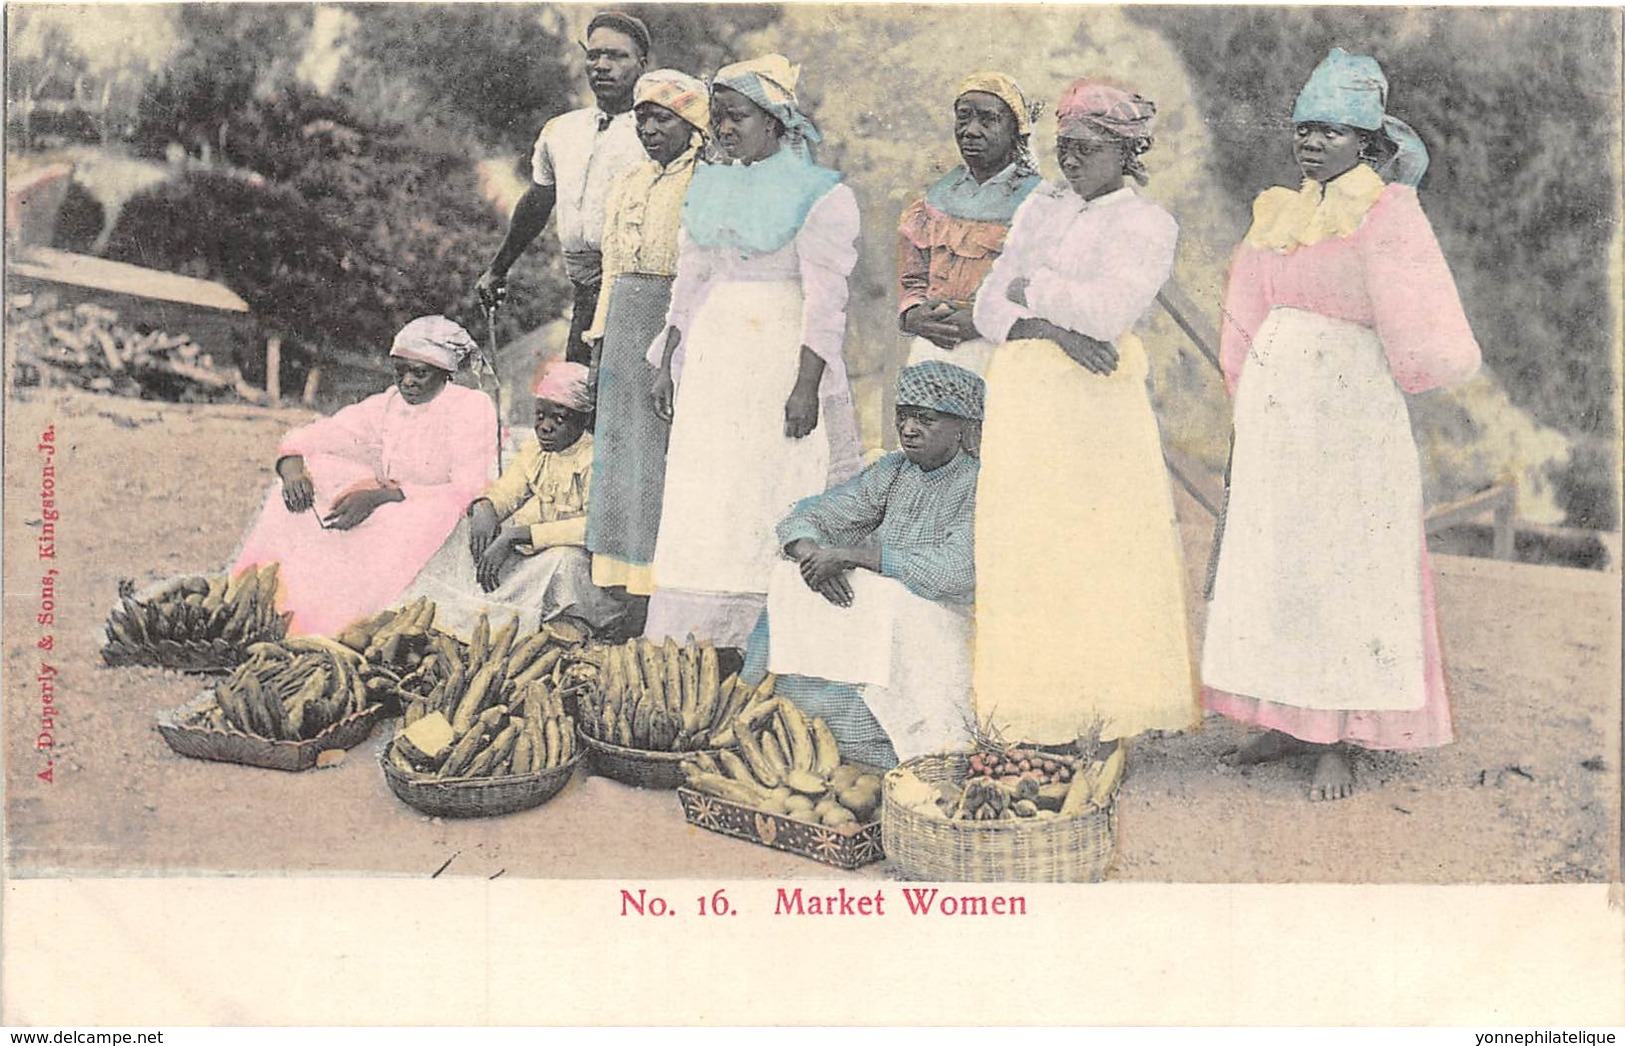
[909, 656]
[731, 472]
[1317, 599]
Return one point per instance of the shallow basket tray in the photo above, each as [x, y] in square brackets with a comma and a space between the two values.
[1056, 850]
[476, 796]
[846, 850]
[229, 746]
[638, 767]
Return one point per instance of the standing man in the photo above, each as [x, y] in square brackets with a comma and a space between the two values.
[578, 156]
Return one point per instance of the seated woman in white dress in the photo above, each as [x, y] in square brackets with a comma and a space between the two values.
[521, 548]
[868, 622]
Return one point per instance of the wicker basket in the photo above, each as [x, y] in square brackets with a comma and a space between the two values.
[1055, 850]
[228, 746]
[637, 767]
[476, 796]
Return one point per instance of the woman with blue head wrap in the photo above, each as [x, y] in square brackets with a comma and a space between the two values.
[1322, 628]
[751, 372]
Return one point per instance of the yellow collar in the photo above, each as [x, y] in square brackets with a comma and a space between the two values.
[1284, 220]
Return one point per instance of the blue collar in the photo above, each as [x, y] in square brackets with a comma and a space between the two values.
[758, 207]
[958, 195]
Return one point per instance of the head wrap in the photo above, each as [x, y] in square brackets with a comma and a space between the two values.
[625, 24]
[682, 94]
[1350, 89]
[1007, 91]
[434, 340]
[942, 387]
[770, 82]
[565, 383]
[1102, 111]
[1091, 108]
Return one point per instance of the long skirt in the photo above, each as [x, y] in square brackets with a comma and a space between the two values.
[1322, 622]
[731, 472]
[555, 582]
[629, 439]
[1080, 584]
[331, 578]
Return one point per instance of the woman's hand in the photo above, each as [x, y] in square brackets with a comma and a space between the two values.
[663, 394]
[488, 568]
[837, 590]
[940, 322]
[820, 565]
[298, 489]
[1097, 356]
[801, 411]
[352, 509]
[1100, 357]
[483, 525]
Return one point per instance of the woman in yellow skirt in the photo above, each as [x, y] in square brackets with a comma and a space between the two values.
[1080, 600]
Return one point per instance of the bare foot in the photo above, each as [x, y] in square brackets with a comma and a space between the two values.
[1334, 777]
[1265, 748]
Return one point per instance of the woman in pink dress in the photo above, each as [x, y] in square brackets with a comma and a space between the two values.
[1322, 628]
[366, 496]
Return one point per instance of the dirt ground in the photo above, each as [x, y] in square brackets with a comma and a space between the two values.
[1529, 793]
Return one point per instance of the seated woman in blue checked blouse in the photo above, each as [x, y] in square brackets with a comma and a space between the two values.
[871, 611]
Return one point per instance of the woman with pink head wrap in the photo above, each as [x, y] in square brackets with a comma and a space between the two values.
[1080, 613]
[366, 496]
[521, 549]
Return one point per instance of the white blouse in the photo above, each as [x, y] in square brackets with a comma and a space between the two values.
[1092, 266]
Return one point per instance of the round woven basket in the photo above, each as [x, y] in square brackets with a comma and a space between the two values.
[1027, 850]
[476, 796]
[637, 767]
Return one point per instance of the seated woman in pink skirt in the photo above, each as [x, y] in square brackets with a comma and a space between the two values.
[366, 496]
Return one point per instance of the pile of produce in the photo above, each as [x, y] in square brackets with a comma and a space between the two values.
[86, 346]
[528, 733]
[1012, 785]
[290, 690]
[195, 615]
[786, 764]
[662, 697]
[491, 707]
[424, 666]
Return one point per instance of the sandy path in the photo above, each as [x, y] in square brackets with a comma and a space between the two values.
[1530, 793]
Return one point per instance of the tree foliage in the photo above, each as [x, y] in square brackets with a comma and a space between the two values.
[494, 71]
[227, 53]
[350, 231]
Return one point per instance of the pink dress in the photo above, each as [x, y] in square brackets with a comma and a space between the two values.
[1323, 623]
[440, 453]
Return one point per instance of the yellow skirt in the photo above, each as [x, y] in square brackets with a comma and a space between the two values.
[1080, 582]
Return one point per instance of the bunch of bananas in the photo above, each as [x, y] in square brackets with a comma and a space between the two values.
[192, 616]
[786, 764]
[528, 733]
[662, 697]
[462, 683]
[290, 690]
